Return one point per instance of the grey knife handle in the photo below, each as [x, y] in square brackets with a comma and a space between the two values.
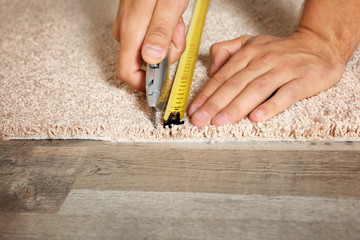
[156, 77]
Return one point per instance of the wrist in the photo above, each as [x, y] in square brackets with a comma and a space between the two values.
[320, 44]
[335, 23]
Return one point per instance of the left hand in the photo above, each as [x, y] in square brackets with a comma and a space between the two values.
[246, 71]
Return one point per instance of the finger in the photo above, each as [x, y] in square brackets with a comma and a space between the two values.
[178, 41]
[221, 52]
[134, 76]
[115, 27]
[161, 29]
[132, 32]
[287, 95]
[235, 64]
[226, 94]
[115, 31]
[129, 71]
[256, 92]
[263, 39]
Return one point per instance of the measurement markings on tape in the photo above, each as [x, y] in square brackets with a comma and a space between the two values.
[178, 99]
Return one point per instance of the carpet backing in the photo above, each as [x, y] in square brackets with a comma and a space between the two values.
[58, 76]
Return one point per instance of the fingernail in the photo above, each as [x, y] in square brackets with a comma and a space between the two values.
[193, 109]
[153, 52]
[202, 117]
[221, 119]
[259, 114]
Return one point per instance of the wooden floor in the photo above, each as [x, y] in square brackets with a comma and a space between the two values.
[244, 190]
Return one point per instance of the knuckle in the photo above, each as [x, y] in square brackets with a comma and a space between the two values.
[182, 47]
[294, 92]
[201, 98]
[159, 31]
[307, 73]
[271, 106]
[217, 46]
[268, 57]
[266, 60]
[183, 5]
[235, 84]
[215, 49]
[122, 75]
[261, 86]
[116, 36]
[257, 40]
[123, 31]
[212, 107]
[236, 108]
[219, 78]
[219, 50]
[249, 48]
[264, 40]
[286, 66]
[115, 32]
[247, 51]
[245, 38]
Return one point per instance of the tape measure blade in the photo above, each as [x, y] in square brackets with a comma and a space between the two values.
[179, 95]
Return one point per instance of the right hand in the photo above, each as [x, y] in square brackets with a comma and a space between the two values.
[145, 30]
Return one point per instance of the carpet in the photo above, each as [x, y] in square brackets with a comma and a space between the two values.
[58, 76]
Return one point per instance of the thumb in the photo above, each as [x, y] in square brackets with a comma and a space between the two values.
[161, 29]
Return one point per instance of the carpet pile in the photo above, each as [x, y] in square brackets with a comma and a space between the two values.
[58, 76]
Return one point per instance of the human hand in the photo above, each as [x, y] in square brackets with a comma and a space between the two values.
[145, 30]
[246, 71]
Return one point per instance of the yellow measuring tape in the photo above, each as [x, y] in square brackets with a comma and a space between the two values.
[178, 99]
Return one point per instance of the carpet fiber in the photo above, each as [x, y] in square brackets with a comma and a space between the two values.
[58, 76]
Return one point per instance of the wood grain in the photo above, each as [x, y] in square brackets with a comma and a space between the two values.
[54, 226]
[210, 206]
[268, 172]
[243, 190]
[36, 178]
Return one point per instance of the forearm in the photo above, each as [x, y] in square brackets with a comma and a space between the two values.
[335, 21]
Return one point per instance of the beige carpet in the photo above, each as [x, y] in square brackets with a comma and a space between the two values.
[58, 64]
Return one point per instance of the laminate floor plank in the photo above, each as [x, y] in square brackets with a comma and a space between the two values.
[36, 178]
[267, 172]
[56, 226]
[244, 190]
[210, 206]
